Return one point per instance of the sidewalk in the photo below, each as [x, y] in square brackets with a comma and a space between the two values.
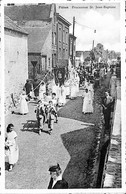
[113, 167]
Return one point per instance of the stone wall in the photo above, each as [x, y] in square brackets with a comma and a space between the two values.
[16, 66]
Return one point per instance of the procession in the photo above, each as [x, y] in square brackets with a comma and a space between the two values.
[62, 99]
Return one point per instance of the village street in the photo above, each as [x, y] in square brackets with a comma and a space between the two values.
[78, 72]
[69, 145]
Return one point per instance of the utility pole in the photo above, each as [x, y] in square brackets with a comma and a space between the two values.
[92, 51]
[73, 41]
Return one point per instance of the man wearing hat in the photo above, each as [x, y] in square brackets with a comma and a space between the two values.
[56, 181]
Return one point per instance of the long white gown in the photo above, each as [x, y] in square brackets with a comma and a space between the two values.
[23, 104]
[67, 88]
[42, 90]
[13, 152]
[87, 103]
[91, 89]
[62, 96]
[73, 90]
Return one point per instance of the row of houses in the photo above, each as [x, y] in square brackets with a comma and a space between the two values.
[37, 40]
[49, 41]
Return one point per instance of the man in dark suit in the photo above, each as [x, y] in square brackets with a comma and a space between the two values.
[56, 181]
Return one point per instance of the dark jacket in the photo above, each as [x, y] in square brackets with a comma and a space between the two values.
[61, 184]
[40, 112]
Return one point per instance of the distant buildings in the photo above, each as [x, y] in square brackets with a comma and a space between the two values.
[16, 60]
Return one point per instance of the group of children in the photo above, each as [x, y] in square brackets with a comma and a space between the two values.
[46, 112]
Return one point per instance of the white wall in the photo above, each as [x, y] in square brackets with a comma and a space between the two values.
[16, 65]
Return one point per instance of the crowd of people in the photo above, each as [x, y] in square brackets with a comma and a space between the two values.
[49, 98]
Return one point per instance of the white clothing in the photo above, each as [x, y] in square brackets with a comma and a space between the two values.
[67, 88]
[73, 91]
[13, 152]
[42, 90]
[59, 178]
[62, 96]
[54, 100]
[91, 90]
[23, 104]
[87, 103]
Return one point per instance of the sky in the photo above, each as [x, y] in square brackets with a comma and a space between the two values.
[102, 17]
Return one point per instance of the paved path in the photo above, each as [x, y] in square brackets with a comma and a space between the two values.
[69, 145]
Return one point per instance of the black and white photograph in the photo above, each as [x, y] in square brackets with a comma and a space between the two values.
[62, 95]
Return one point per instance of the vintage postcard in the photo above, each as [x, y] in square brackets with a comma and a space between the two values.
[62, 95]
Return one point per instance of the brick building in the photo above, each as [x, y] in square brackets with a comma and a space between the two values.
[16, 60]
[62, 57]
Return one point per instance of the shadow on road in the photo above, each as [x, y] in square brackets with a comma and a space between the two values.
[78, 144]
[32, 126]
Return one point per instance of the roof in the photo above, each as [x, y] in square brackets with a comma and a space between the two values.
[36, 38]
[61, 18]
[28, 12]
[79, 53]
[9, 24]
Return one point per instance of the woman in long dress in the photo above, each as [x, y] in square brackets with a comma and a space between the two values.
[23, 104]
[11, 143]
[62, 96]
[87, 103]
[73, 90]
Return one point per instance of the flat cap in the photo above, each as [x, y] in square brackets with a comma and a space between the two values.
[54, 168]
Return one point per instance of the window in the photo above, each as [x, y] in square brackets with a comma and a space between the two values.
[54, 60]
[64, 37]
[54, 38]
[49, 63]
[66, 30]
[60, 32]
[44, 63]
[63, 53]
[59, 52]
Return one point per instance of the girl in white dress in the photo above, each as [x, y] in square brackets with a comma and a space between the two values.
[87, 103]
[11, 144]
[23, 103]
[42, 90]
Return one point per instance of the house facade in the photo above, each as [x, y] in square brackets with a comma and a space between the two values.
[16, 61]
[48, 39]
[62, 57]
[39, 20]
